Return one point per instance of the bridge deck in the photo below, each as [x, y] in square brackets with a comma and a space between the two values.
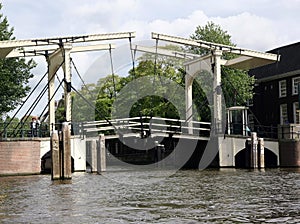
[147, 126]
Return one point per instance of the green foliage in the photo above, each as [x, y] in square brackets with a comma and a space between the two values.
[16, 128]
[211, 32]
[14, 74]
[81, 110]
[157, 67]
[236, 84]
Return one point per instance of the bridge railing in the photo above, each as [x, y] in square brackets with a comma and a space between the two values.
[289, 131]
[147, 125]
[263, 131]
[23, 130]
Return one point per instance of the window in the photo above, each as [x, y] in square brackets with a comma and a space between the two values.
[283, 114]
[296, 80]
[296, 114]
[282, 88]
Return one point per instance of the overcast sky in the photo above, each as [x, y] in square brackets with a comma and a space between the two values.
[254, 24]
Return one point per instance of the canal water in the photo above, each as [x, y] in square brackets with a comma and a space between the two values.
[188, 196]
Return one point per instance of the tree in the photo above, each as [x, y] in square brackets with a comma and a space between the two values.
[81, 110]
[14, 73]
[236, 84]
[158, 66]
[109, 87]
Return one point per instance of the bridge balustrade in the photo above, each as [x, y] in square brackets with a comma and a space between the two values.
[22, 130]
[146, 126]
[289, 131]
[263, 131]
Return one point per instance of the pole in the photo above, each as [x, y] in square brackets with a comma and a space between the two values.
[217, 91]
[253, 155]
[189, 102]
[66, 158]
[55, 161]
[101, 155]
[67, 85]
[261, 153]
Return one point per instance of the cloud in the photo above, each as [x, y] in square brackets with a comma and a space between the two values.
[256, 24]
[253, 24]
[250, 31]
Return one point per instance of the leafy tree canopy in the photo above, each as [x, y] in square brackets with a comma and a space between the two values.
[236, 84]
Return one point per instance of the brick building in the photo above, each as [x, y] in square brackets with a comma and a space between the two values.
[276, 91]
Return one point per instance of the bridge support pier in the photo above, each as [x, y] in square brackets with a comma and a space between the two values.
[261, 153]
[61, 154]
[101, 154]
[92, 154]
[97, 154]
[255, 157]
[55, 150]
[253, 151]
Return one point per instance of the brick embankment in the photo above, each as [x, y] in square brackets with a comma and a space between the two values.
[20, 157]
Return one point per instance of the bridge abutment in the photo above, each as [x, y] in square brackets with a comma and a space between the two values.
[289, 151]
[96, 154]
[20, 157]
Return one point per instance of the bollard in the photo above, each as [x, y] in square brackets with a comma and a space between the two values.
[66, 151]
[55, 162]
[253, 155]
[61, 153]
[261, 153]
[93, 151]
[248, 147]
[101, 154]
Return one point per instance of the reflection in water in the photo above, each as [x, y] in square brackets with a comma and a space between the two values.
[189, 196]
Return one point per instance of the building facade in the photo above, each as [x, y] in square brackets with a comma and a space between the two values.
[276, 98]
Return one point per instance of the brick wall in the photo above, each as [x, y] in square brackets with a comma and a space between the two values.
[20, 157]
[289, 153]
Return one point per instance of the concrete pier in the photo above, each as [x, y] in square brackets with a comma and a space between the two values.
[101, 154]
[54, 145]
[61, 154]
[253, 151]
[261, 153]
[91, 147]
[66, 152]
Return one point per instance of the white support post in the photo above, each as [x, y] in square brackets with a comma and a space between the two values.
[67, 72]
[60, 57]
[261, 153]
[245, 122]
[253, 153]
[55, 60]
[101, 154]
[229, 121]
[189, 102]
[217, 91]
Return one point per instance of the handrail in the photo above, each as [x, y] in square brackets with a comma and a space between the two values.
[148, 124]
[289, 131]
[264, 131]
[25, 131]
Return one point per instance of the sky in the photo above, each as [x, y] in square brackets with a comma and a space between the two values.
[254, 24]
